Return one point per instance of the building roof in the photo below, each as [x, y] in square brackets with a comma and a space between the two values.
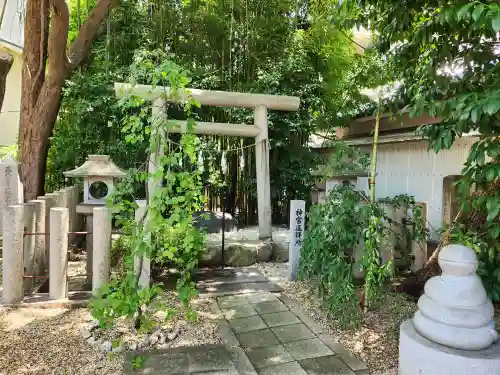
[12, 25]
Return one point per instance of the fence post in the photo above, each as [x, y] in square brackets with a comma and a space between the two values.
[13, 233]
[59, 228]
[50, 202]
[101, 247]
[29, 245]
[146, 262]
[11, 188]
[419, 249]
[297, 222]
[40, 214]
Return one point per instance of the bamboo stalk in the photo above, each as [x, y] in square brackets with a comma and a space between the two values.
[373, 172]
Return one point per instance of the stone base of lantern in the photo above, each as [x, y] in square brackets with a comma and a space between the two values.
[417, 356]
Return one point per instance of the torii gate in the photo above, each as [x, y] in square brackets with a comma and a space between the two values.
[259, 102]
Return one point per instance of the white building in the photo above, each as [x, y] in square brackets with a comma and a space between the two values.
[12, 41]
[405, 165]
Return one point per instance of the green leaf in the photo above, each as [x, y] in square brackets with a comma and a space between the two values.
[495, 22]
[490, 173]
[474, 115]
[492, 107]
[464, 11]
[476, 14]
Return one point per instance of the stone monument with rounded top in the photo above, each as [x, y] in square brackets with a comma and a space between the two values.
[453, 330]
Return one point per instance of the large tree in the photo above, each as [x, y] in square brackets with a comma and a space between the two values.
[48, 62]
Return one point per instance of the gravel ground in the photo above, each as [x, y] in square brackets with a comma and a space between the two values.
[50, 341]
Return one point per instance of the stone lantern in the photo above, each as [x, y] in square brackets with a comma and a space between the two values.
[99, 174]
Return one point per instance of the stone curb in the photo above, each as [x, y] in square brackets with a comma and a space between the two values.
[41, 301]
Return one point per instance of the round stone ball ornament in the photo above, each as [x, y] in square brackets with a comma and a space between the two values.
[455, 310]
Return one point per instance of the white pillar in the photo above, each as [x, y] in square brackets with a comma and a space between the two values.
[40, 215]
[262, 173]
[146, 262]
[29, 245]
[89, 246]
[50, 202]
[59, 228]
[11, 188]
[297, 221]
[158, 112]
[101, 247]
[12, 274]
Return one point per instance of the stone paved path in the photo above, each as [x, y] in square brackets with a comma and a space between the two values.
[280, 338]
[264, 333]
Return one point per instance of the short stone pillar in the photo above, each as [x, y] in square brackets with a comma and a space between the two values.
[101, 247]
[140, 217]
[40, 261]
[50, 202]
[29, 246]
[11, 188]
[297, 223]
[13, 267]
[59, 228]
[453, 331]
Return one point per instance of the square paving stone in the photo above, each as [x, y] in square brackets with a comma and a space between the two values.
[210, 360]
[251, 323]
[261, 297]
[230, 301]
[283, 318]
[308, 349]
[331, 365]
[268, 356]
[294, 332]
[238, 311]
[261, 338]
[291, 368]
[267, 307]
[158, 362]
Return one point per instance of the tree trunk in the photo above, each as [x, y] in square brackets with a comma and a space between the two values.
[6, 61]
[48, 62]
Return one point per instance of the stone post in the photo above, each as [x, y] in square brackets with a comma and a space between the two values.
[451, 206]
[59, 228]
[146, 262]
[419, 249]
[62, 198]
[297, 222]
[11, 188]
[29, 245]
[50, 202]
[12, 274]
[388, 243]
[89, 245]
[40, 223]
[102, 247]
[262, 173]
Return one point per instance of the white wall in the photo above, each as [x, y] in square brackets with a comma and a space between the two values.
[409, 168]
[9, 115]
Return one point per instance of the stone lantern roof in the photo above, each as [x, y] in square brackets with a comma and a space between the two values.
[96, 166]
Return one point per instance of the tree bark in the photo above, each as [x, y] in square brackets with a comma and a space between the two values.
[6, 61]
[46, 68]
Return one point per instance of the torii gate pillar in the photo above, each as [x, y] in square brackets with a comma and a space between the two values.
[262, 173]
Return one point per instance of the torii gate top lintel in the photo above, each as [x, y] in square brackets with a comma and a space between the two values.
[215, 98]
